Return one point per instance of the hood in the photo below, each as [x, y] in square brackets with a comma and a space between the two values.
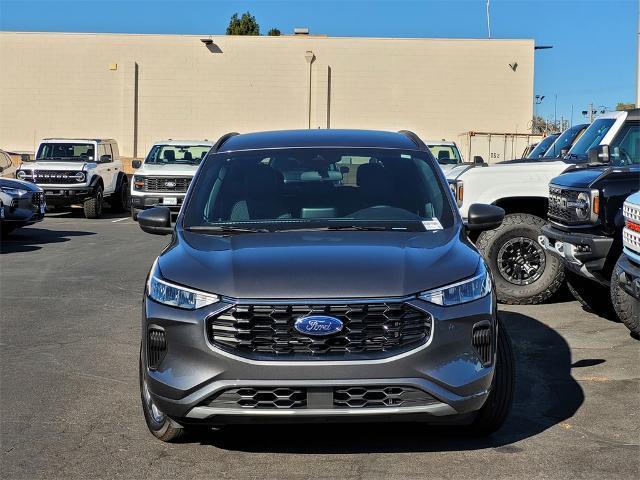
[458, 170]
[291, 265]
[581, 178]
[447, 167]
[167, 170]
[528, 160]
[11, 183]
[57, 165]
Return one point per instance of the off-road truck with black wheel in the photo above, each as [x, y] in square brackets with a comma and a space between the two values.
[83, 172]
[524, 272]
[586, 221]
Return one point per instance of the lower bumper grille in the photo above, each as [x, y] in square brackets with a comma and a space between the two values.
[367, 328]
[346, 397]
[380, 396]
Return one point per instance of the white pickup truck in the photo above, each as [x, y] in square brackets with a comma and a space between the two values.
[523, 272]
[79, 171]
[165, 175]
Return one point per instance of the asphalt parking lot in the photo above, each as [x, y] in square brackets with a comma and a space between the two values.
[70, 292]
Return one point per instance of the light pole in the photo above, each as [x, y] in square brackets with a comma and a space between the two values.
[537, 101]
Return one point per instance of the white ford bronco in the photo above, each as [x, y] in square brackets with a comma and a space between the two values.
[79, 171]
[165, 175]
[524, 272]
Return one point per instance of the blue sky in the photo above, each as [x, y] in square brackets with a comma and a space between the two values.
[594, 55]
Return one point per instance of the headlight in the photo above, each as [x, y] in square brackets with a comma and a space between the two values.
[175, 296]
[586, 205]
[457, 188]
[138, 182]
[462, 292]
[22, 174]
[79, 177]
[14, 191]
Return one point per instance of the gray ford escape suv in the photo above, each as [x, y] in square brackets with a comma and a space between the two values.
[321, 275]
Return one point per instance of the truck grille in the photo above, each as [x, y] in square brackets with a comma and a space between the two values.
[631, 238]
[166, 184]
[367, 328]
[54, 177]
[558, 209]
[36, 199]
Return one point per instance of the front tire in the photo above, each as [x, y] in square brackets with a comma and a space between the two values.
[498, 405]
[593, 297]
[161, 426]
[626, 307]
[93, 205]
[524, 273]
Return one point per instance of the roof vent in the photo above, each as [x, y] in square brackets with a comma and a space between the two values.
[301, 31]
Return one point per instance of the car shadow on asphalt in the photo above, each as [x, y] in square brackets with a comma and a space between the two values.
[30, 239]
[546, 395]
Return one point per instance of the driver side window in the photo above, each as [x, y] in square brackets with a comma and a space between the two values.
[625, 149]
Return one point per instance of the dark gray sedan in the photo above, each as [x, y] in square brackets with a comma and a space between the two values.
[21, 203]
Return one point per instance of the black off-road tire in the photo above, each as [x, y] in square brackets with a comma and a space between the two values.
[498, 405]
[626, 307]
[119, 199]
[167, 430]
[93, 205]
[489, 244]
[5, 230]
[593, 296]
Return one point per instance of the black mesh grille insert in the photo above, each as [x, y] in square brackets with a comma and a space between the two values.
[156, 348]
[482, 342]
[367, 328]
[54, 177]
[374, 396]
[559, 198]
[166, 184]
[259, 397]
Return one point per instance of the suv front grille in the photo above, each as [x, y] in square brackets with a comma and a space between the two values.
[36, 199]
[166, 184]
[57, 177]
[373, 396]
[367, 328]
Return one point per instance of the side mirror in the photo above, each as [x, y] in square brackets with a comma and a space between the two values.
[136, 164]
[105, 158]
[344, 170]
[564, 151]
[478, 160]
[156, 220]
[25, 157]
[484, 217]
[599, 154]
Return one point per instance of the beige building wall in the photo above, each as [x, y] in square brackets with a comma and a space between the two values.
[142, 88]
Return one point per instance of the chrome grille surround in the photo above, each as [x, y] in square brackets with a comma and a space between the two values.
[630, 238]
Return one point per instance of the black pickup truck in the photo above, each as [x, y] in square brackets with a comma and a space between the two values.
[586, 219]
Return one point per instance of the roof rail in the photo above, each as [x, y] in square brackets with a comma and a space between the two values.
[221, 141]
[415, 139]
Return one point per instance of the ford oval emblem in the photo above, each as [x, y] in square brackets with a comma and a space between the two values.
[317, 325]
[169, 184]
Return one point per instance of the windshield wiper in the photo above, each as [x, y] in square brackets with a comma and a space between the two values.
[359, 228]
[223, 229]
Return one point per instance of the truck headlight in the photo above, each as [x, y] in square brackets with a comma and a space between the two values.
[22, 174]
[79, 177]
[465, 291]
[176, 296]
[138, 182]
[587, 206]
[457, 188]
[583, 206]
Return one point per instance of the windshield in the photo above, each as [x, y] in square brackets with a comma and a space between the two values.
[564, 141]
[542, 147]
[68, 151]
[177, 154]
[283, 189]
[446, 154]
[591, 137]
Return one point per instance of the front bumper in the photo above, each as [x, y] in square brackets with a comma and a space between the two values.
[142, 201]
[24, 210]
[581, 253]
[67, 195]
[446, 368]
[629, 277]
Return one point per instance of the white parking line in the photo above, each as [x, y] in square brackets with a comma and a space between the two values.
[119, 220]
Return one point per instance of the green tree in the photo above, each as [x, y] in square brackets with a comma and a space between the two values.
[245, 25]
[625, 106]
[274, 32]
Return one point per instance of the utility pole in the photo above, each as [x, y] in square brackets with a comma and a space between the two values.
[591, 113]
[488, 19]
[571, 115]
[555, 111]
